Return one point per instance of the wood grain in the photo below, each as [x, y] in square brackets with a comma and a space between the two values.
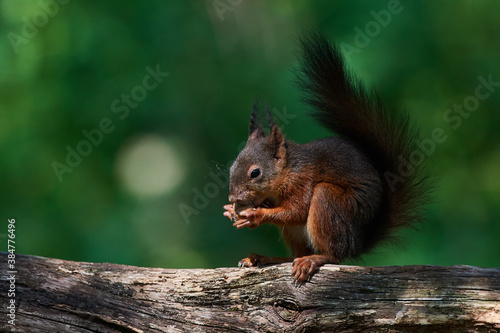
[55, 295]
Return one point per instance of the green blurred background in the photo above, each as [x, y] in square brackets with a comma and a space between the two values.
[68, 66]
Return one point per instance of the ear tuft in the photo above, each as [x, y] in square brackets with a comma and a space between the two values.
[269, 117]
[252, 125]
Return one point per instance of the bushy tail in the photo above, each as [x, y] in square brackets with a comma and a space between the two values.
[342, 105]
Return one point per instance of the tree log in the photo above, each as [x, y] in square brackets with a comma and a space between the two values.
[53, 295]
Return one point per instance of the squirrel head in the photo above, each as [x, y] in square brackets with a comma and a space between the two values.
[255, 174]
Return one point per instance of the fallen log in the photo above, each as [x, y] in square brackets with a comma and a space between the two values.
[53, 295]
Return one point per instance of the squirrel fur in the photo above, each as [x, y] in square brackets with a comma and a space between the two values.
[333, 198]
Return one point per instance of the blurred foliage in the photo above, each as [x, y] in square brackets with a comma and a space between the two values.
[67, 65]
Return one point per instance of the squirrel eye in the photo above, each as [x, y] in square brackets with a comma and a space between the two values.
[255, 173]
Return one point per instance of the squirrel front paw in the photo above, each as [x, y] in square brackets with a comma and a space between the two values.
[230, 213]
[247, 218]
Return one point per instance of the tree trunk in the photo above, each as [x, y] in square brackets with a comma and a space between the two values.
[53, 295]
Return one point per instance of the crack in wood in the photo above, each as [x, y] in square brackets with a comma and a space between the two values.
[55, 296]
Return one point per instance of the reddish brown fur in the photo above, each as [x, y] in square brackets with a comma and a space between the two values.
[327, 196]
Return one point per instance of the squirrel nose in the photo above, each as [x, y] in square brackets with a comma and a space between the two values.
[239, 197]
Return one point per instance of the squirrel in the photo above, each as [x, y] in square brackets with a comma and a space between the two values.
[337, 197]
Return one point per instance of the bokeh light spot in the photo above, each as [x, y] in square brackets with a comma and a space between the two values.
[149, 166]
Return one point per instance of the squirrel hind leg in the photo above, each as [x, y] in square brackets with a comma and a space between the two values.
[256, 260]
[297, 239]
[305, 267]
[336, 222]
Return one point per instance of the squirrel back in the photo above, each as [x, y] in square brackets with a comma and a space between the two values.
[341, 104]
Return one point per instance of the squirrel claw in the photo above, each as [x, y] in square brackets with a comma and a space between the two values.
[230, 213]
[303, 269]
[249, 213]
[247, 218]
[245, 263]
[241, 223]
[253, 260]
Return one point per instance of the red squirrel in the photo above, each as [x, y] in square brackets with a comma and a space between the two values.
[333, 198]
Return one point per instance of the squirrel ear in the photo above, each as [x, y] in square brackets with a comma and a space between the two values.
[276, 141]
[257, 133]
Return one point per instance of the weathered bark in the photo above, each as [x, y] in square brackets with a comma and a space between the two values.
[55, 295]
